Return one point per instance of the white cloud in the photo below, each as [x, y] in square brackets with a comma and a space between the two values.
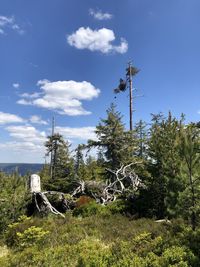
[9, 23]
[26, 145]
[99, 15]
[81, 133]
[37, 120]
[30, 96]
[24, 102]
[6, 118]
[5, 22]
[21, 146]
[22, 152]
[16, 85]
[27, 133]
[63, 96]
[17, 28]
[96, 40]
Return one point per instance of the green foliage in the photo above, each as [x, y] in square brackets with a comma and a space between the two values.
[175, 256]
[12, 198]
[189, 200]
[100, 240]
[31, 236]
[118, 206]
[58, 148]
[164, 165]
[11, 235]
[97, 235]
[89, 209]
[117, 144]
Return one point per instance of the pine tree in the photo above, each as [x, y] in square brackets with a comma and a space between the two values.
[164, 165]
[189, 198]
[116, 143]
[62, 164]
[142, 135]
[79, 166]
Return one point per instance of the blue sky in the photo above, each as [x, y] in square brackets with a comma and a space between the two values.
[63, 58]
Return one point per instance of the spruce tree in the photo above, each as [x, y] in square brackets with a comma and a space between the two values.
[189, 198]
[164, 165]
[117, 144]
[79, 166]
[61, 165]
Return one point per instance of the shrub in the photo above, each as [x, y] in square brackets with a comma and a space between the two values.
[89, 209]
[118, 206]
[177, 256]
[22, 223]
[83, 200]
[32, 236]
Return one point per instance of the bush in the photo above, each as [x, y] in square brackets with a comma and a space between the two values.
[83, 200]
[89, 209]
[104, 241]
[177, 256]
[11, 237]
[118, 206]
[32, 236]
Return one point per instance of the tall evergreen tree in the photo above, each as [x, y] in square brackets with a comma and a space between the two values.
[164, 165]
[142, 136]
[189, 198]
[116, 143]
[79, 166]
[62, 167]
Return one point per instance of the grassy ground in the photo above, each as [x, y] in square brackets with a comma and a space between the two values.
[100, 240]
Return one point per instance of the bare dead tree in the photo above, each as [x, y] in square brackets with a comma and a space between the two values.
[126, 180]
[40, 199]
[45, 203]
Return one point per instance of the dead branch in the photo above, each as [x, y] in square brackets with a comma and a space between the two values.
[126, 180]
[45, 202]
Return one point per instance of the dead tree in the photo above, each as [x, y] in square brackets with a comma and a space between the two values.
[126, 180]
[40, 200]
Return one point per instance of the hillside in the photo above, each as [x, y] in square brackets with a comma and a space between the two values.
[22, 168]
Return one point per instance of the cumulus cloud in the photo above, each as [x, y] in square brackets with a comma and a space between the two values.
[37, 120]
[63, 96]
[9, 23]
[6, 118]
[27, 143]
[27, 133]
[97, 40]
[99, 15]
[81, 133]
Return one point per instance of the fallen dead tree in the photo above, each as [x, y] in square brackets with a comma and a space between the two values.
[44, 204]
[125, 181]
[40, 201]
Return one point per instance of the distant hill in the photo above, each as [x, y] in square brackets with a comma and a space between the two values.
[22, 168]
